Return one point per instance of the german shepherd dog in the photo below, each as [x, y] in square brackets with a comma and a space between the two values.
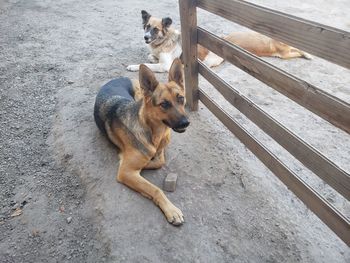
[137, 117]
[164, 43]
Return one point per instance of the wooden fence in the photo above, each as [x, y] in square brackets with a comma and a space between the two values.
[326, 42]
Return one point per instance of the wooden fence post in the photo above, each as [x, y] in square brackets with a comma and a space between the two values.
[188, 15]
[317, 38]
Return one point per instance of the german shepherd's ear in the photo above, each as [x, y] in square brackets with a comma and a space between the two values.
[145, 17]
[166, 22]
[176, 72]
[148, 81]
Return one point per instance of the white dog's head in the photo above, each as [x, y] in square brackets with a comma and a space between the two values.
[155, 28]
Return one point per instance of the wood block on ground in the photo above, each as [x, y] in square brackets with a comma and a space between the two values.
[170, 182]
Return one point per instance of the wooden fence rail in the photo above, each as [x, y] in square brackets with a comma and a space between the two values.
[326, 212]
[326, 42]
[305, 153]
[314, 99]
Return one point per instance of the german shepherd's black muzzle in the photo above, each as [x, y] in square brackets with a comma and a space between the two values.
[179, 126]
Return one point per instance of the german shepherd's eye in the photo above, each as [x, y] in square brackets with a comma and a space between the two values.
[165, 105]
[148, 27]
[180, 100]
[155, 30]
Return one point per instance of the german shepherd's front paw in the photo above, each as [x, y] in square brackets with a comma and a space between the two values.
[174, 215]
[133, 67]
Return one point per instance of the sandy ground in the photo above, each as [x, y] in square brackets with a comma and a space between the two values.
[60, 171]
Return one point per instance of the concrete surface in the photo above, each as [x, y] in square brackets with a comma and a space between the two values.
[56, 167]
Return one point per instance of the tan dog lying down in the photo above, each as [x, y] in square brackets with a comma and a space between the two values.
[255, 43]
[164, 43]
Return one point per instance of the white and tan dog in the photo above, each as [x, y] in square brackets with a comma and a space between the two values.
[164, 43]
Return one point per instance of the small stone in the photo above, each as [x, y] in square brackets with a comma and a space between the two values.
[69, 219]
[170, 182]
[35, 233]
[23, 203]
[17, 212]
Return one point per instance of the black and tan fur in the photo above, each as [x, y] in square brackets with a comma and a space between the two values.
[137, 117]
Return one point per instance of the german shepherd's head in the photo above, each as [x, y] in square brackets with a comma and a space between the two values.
[156, 29]
[165, 102]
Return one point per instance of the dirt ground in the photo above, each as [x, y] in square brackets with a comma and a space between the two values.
[59, 171]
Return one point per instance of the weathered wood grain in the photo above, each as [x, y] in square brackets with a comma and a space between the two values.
[188, 14]
[324, 41]
[316, 203]
[312, 98]
[304, 152]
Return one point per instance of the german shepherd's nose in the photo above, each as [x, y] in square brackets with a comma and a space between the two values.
[181, 125]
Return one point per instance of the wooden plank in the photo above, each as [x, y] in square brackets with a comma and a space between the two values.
[316, 203]
[188, 15]
[304, 152]
[326, 42]
[314, 99]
